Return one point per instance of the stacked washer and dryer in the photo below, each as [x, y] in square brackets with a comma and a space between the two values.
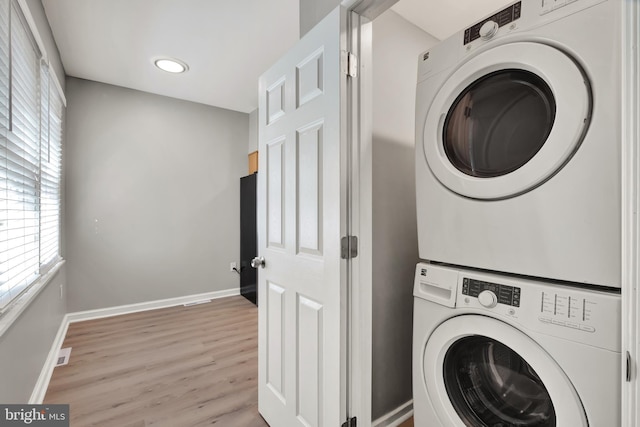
[518, 169]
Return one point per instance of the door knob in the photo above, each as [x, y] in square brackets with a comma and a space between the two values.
[257, 262]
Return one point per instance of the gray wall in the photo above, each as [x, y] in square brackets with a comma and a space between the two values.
[37, 12]
[312, 12]
[396, 46]
[253, 131]
[152, 196]
[25, 345]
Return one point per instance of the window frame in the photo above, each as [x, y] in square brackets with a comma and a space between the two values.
[49, 119]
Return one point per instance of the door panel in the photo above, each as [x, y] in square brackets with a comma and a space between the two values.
[309, 355]
[275, 192]
[275, 100]
[309, 167]
[309, 78]
[276, 340]
[301, 218]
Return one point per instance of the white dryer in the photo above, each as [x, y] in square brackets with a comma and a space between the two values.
[518, 143]
[492, 350]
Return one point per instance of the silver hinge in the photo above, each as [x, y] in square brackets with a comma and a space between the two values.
[352, 65]
[349, 247]
[351, 422]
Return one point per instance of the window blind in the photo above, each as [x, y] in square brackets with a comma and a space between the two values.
[30, 158]
[4, 130]
[50, 169]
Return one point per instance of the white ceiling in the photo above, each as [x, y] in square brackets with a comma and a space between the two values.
[443, 18]
[227, 44]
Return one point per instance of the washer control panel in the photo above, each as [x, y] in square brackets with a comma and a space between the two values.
[504, 294]
[564, 309]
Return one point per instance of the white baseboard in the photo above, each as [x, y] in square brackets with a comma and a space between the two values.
[396, 417]
[40, 389]
[99, 313]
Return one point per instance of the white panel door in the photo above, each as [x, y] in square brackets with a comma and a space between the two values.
[301, 218]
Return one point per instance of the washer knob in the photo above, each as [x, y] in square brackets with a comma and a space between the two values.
[488, 299]
[488, 30]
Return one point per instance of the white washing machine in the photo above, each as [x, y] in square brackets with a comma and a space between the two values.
[518, 163]
[492, 350]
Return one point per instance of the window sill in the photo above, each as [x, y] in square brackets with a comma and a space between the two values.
[18, 306]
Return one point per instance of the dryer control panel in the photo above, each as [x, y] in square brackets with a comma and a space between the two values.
[504, 17]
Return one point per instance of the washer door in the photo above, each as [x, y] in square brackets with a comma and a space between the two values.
[480, 371]
[506, 120]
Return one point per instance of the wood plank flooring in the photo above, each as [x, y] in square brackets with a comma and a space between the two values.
[408, 423]
[173, 367]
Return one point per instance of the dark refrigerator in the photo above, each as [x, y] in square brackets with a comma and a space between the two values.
[248, 237]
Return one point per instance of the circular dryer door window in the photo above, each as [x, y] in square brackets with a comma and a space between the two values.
[480, 371]
[499, 123]
[507, 120]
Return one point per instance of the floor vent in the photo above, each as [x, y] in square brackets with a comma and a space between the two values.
[204, 301]
[63, 356]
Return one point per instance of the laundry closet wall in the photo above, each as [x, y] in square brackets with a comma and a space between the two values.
[396, 46]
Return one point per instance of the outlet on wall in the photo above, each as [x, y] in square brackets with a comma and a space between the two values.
[233, 266]
[61, 290]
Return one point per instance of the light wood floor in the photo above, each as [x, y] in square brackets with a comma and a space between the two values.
[408, 423]
[174, 367]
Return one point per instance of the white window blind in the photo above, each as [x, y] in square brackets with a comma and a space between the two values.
[50, 170]
[30, 153]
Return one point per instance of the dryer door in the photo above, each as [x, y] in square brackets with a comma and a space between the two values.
[507, 120]
[480, 371]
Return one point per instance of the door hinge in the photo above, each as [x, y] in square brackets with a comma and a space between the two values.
[351, 422]
[352, 65]
[349, 247]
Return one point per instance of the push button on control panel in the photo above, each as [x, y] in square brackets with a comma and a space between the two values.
[565, 310]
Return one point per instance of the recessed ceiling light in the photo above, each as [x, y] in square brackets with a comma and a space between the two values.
[171, 65]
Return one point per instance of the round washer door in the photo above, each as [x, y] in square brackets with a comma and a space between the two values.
[480, 371]
[506, 120]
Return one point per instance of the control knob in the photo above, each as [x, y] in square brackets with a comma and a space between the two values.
[487, 299]
[488, 30]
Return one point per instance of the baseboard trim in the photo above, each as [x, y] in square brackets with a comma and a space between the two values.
[99, 313]
[40, 389]
[396, 417]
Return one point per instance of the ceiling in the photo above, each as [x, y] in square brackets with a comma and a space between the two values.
[226, 44]
[443, 18]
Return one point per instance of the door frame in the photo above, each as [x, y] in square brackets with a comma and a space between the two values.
[630, 154]
[359, 296]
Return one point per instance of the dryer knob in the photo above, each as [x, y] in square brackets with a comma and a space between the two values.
[488, 30]
[488, 299]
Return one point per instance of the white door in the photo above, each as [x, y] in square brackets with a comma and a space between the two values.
[301, 218]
